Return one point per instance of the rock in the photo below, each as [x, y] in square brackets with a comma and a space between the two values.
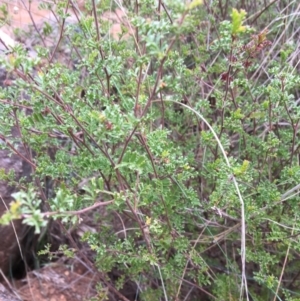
[6, 42]
[10, 162]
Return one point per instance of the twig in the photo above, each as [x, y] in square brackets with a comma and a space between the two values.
[16, 151]
[283, 267]
[78, 212]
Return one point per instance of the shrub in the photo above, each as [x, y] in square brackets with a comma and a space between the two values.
[179, 138]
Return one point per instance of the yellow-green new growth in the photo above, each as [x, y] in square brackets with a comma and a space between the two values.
[242, 169]
[237, 21]
[194, 4]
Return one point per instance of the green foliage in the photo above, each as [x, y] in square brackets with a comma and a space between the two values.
[130, 135]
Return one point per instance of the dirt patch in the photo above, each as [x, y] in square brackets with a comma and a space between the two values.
[25, 14]
[58, 282]
[55, 282]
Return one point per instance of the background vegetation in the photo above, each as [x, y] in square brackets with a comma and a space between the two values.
[175, 143]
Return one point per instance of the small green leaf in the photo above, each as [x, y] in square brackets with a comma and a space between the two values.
[238, 114]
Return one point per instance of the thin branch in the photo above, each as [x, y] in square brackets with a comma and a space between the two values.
[74, 212]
